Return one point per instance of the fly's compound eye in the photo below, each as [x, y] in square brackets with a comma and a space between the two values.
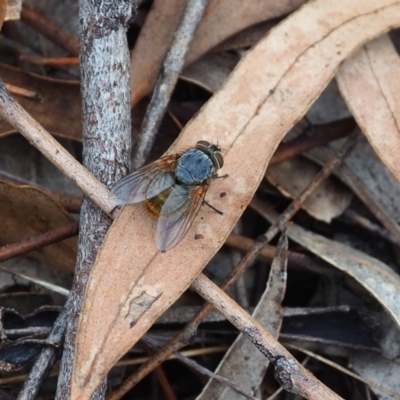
[202, 143]
[220, 159]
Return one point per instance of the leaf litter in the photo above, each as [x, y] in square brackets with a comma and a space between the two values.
[271, 89]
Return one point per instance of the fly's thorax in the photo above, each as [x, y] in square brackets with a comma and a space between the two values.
[154, 205]
[194, 168]
[213, 151]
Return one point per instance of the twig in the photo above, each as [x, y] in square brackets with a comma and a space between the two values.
[171, 68]
[288, 371]
[22, 92]
[311, 137]
[204, 371]
[44, 363]
[50, 61]
[49, 30]
[161, 376]
[369, 225]
[296, 260]
[189, 330]
[149, 341]
[36, 242]
[40, 282]
[344, 370]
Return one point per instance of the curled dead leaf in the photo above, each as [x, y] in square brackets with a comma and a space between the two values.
[369, 81]
[55, 104]
[28, 211]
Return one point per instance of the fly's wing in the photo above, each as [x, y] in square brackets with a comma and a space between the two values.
[177, 214]
[145, 182]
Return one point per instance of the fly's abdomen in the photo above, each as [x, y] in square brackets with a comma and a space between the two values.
[154, 205]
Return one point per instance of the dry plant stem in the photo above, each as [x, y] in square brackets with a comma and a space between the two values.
[344, 370]
[46, 359]
[288, 371]
[70, 203]
[171, 68]
[14, 114]
[50, 61]
[183, 338]
[296, 260]
[19, 91]
[106, 136]
[311, 137]
[160, 374]
[49, 30]
[36, 242]
[197, 367]
[204, 371]
[369, 225]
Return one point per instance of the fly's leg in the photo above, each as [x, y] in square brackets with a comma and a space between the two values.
[213, 208]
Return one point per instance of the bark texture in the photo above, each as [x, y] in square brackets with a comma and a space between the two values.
[106, 125]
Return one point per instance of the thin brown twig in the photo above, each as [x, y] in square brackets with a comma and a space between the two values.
[296, 260]
[198, 368]
[204, 371]
[171, 68]
[344, 370]
[49, 61]
[161, 377]
[301, 381]
[49, 30]
[22, 92]
[313, 136]
[36, 242]
[183, 338]
[124, 363]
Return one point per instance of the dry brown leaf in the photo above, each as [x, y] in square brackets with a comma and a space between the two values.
[5, 11]
[58, 107]
[27, 211]
[222, 19]
[273, 86]
[369, 83]
[293, 176]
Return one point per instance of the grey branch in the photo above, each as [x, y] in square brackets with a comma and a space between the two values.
[170, 70]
